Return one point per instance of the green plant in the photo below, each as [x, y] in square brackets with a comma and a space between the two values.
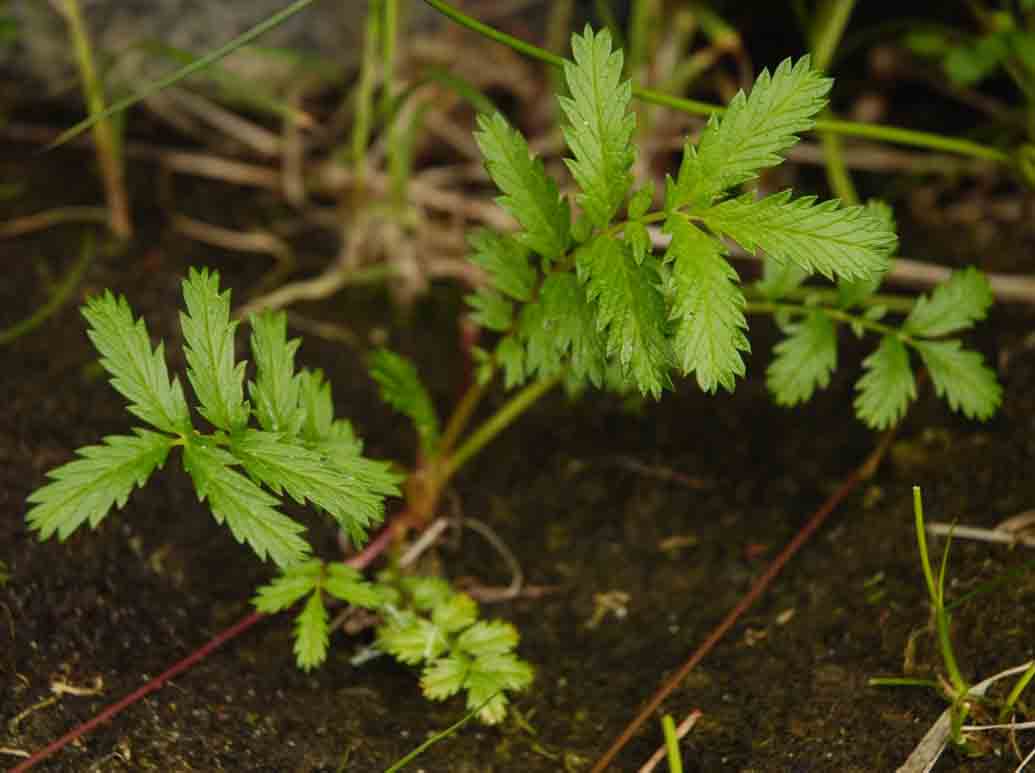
[298, 449]
[576, 300]
[963, 697]
[588, 301]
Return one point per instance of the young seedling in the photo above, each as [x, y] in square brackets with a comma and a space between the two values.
[282, 440]
[961, 695]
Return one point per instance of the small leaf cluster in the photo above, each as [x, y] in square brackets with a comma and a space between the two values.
[429, 624]
[804, 360]
[282, 439]
[588, 298]
[313, 578]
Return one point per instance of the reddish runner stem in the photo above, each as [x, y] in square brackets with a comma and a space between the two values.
[860, 474]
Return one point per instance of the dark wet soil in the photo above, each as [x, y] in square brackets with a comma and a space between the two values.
[578, 492]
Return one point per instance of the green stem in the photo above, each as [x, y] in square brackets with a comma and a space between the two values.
[668, 729]
[108, 156]
[1018, 688]
[936, 590]
[498, 422]
[461, 415]
[772, 307]
[365, 94]
[196, 66]
[892, 134]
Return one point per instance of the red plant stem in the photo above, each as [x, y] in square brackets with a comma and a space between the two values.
[361, 560]
[860, 474]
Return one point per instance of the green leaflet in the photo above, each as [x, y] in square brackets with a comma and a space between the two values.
[505, 259]
[249, 511]
[486, 680]
[708, 307]
[317, 405]
[962, 377]
[311, 634]
[600, 125]
[101, 478]
[289, 587]
[631, 309]
[887, 387]
[275, 391]
[402, 389]
[561, 327]
[752, 135]
[209, 345]
[490, 310]
[528, 193]
[137, 373]
[353, 500]
[822, 238]
[952, 306]
[803, 360]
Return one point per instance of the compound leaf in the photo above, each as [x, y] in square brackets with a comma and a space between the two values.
[821, 238]
[954, 305]
[708, 306]
[137, 373]
[961, 377]
[803, 360]
[248, 510]
[402, 389]
[752, 135]
[86, 488]
[275, 390]
[600, 125]
[631, 309]
[209, 346]
[528, 192]
[887, 387]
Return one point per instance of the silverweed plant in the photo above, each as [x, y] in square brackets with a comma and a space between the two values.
[586, 299]
[283, 440]
[575, 295]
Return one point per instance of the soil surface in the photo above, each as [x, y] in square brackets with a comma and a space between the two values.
[641, 563]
